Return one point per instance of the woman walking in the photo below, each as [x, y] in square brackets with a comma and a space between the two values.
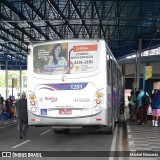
[156, 108]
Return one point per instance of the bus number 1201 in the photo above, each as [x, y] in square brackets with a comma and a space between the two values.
[76, 86]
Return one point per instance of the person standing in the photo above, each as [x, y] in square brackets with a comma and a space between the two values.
[22, 116]
[9, 106]
[142, 107]
[129, 106]
[156, 108]
[1, 103]
[132, 107]
[137, 108]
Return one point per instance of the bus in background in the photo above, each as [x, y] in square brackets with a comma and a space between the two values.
[74, 82]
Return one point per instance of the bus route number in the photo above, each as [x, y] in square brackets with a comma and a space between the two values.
[76, 86]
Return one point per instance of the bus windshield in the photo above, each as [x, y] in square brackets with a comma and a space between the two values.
[65, 58]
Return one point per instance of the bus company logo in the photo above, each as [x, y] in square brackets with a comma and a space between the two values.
[52, 99]
[41, 99]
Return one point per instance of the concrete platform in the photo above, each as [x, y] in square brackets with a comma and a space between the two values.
[143, 138]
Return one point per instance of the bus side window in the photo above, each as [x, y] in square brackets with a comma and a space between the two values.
[119, 79]
[114, 73]
[116, 76]
[111, 68]
[108, 69]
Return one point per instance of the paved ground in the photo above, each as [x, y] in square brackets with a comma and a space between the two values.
[143, 138]
[7, 122]
[140, 137]
[43, 139]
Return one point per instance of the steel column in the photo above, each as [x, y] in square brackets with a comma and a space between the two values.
[139, 62]
[6, 77]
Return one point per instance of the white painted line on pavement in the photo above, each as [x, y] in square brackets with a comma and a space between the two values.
[45, 132]
[20, 144]
[120, 143]
[113, 145]
[7, 125]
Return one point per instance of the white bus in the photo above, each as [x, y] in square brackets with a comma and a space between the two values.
[73, 83]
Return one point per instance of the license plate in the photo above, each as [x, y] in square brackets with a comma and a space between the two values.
[65, 111]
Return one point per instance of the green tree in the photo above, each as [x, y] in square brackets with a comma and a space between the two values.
[11, 74]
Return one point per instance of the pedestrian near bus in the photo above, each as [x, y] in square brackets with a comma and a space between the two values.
[130, 105]
[22, 116]
[133, 107]
[142, 108]
[9, 106]
[1, 103]
[155, 108]
[137, 111]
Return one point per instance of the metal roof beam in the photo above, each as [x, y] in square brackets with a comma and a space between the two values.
[109, 18]
[11, 63]
[12, 43]
[13, 35]
[155, 58]
[22, 30]
[80, 16]
[42, 17]
[7, 47]
[12, 58]
[13, 50]
[12, 8]
[63, 16]
[107, 25]
[100, 21]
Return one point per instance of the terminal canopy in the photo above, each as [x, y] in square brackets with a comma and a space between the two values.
[120, 23]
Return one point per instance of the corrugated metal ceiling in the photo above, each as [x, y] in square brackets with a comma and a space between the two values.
[120, 22]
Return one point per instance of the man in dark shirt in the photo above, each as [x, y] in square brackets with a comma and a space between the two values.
[22, 116]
